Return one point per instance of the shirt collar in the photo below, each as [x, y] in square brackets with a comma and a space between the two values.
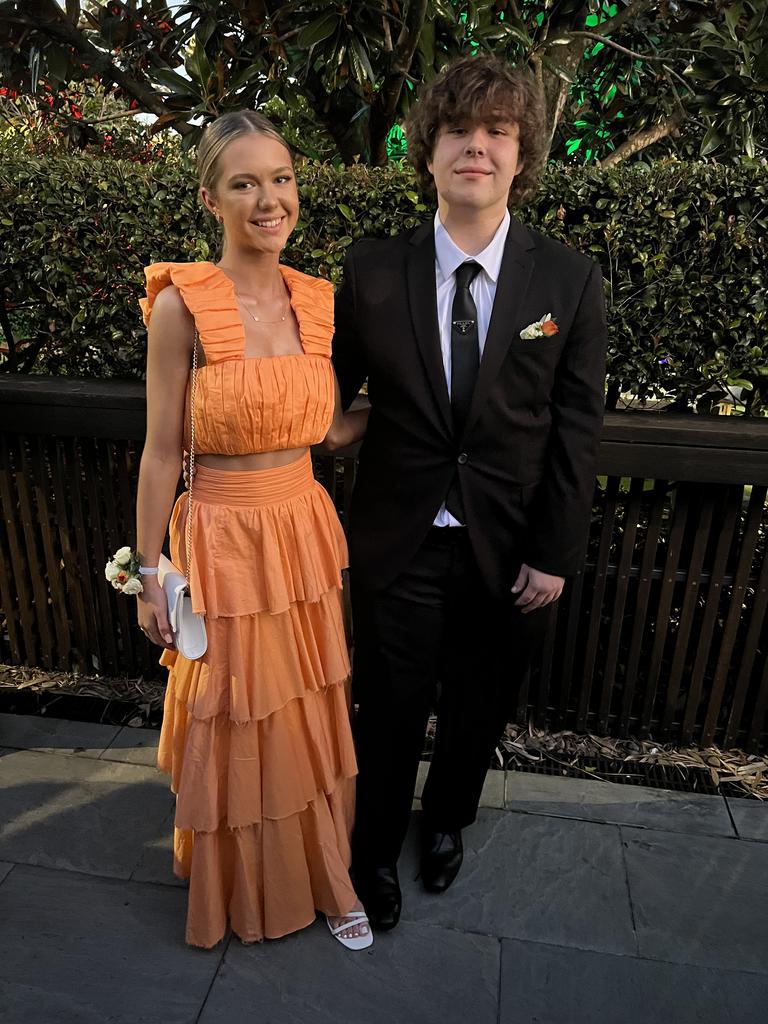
[450, 256]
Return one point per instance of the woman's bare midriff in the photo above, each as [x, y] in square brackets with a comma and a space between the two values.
[249, 463]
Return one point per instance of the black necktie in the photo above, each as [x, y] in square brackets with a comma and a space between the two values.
[465, 359]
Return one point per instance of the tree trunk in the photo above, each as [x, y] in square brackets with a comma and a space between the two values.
[641, 140]
[556, 90]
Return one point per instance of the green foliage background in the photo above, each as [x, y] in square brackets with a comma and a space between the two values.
[683, 247]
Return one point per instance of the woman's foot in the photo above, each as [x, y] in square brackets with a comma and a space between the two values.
[353, 930]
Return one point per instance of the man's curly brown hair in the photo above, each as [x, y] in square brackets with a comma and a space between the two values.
[475, 90]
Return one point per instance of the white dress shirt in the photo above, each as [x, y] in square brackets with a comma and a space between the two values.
[448, 257]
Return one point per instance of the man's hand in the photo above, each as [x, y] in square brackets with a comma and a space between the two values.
[536, 589]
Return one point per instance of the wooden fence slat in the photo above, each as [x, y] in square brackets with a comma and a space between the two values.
[545, 673]
[760, 717]
[29, 522]
[93, 652]
[104, 593]
[115, 535]
[598, 593]
[77, 654]
[626, 551]
[19, 560]
[748, 653]
[8, 600]
[573, 595]
[690, 600]
[749, 539]
[666, 594]
[728, 521]
[38, 475]
[639, 618]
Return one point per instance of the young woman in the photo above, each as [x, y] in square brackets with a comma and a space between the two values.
[256, 734]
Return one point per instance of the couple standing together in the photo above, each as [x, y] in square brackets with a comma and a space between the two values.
[483, 344]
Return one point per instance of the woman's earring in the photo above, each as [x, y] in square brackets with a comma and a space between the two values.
[218, 217]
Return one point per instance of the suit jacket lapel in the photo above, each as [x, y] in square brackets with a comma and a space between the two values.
[422, 295]
[514, 278]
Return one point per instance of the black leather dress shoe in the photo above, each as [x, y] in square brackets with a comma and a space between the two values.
[379, 891]
[441, 857]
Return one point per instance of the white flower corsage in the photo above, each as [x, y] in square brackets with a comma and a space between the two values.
[122, 571]
[543, 328]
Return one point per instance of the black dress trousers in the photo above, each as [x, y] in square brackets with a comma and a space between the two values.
[434, 638]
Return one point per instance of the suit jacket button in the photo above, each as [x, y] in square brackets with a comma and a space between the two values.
[463, 458]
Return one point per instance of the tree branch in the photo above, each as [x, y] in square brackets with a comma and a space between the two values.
[616, 46]
[53, 23]
[384, 105]
[630, 11]
[641, 140]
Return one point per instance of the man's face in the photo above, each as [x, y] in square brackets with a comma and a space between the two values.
[474, 164]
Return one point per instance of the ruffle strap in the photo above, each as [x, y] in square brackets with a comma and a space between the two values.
[312, 302]
[209, 295]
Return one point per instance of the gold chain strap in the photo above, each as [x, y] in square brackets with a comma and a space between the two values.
[191, 456]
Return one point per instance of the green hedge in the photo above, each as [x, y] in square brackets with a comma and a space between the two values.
[683, 248]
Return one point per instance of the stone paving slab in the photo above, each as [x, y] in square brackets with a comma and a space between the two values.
[491, 796]
[134, 746]
[750, 817]
[556, 985]
[548, 879]
[156, 863]
[413, 975]
[78, 814]
[4, 869]
[55, 735]
[595, 800]
[83, 950]
[699, 899]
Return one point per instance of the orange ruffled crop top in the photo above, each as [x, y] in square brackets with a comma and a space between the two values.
[255, 404]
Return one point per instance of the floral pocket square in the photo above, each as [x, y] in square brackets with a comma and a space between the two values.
[543, 328]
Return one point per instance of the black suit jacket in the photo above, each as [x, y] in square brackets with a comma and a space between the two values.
[527, 456]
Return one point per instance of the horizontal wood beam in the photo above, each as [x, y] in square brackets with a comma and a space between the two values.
[707, 449]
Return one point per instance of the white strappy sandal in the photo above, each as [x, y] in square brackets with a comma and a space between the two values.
[352, 918]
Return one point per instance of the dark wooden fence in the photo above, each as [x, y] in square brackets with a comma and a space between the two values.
[665, 633]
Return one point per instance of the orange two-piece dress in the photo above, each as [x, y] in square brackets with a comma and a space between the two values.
[256, 734]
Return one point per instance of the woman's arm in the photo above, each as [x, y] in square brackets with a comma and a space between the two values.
[169, 352]
[347, 427]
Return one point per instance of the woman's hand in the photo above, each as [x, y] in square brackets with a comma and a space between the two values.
[346, 427]
[153, 613]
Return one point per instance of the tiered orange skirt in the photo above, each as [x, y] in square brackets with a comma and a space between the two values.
[256, 734]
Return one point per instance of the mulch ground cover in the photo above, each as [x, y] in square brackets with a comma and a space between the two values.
[139, 703]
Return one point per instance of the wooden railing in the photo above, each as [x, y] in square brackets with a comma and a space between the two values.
[664, 634]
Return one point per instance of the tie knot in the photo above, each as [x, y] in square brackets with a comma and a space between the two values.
[466, 273]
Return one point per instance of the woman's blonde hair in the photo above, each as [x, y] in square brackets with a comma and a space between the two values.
[225, 129]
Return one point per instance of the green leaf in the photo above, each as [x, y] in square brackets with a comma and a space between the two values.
[318, 30]
[711, 141]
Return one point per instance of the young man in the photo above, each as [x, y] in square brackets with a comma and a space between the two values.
[475, 479]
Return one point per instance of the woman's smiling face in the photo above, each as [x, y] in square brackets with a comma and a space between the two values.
[256, 193]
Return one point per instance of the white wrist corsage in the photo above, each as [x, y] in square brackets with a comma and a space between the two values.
[122, 571]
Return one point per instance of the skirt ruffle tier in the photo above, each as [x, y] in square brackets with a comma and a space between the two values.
[256, 734]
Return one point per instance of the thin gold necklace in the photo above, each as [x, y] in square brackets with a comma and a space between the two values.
[259, 321]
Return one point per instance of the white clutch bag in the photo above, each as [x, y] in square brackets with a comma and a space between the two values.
[188, 627]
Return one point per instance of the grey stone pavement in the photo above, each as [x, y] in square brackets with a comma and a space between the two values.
[578, 902]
